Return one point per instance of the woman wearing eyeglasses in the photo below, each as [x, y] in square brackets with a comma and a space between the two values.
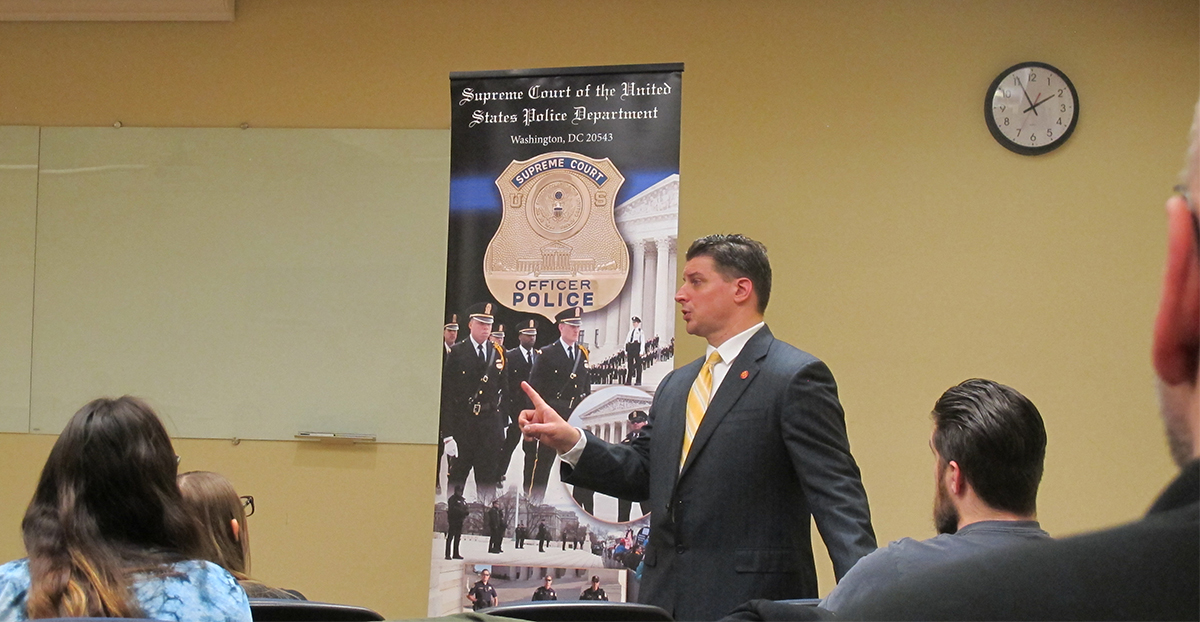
[107, 533]
[224, 534]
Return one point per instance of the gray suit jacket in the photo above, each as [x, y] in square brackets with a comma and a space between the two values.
[733, 525]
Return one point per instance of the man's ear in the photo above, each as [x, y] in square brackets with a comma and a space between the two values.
[1177, 327]
[743, 289]
[954, 478]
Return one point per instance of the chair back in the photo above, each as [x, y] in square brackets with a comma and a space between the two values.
[285, 610]
[580, 611]
[801, 602]
[791, 609]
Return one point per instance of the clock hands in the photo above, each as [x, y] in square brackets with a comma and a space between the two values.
[1034, 105]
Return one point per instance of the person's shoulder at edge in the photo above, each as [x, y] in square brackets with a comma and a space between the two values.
[902, 547]
[197, 591]
[966, 588]
[15, 571]
[911, 554]
[908, 555]
[861, 574]
[14, 586]
[792, 358]
[216, 595]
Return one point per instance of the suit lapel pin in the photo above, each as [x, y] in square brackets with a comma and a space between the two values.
[745, 374]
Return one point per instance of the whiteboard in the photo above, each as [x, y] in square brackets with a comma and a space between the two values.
[18, 214]
[247, 283]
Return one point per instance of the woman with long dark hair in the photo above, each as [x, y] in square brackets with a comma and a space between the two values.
[107, 534]
[224, 533]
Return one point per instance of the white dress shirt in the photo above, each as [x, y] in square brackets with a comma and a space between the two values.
[475, 346]
[729, 351]
[568, 349]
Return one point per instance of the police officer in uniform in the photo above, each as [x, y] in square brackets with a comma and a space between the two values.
[456, 514]
[520, 361]
[595, 592]
[483, 595]
[633, 352]
[496, 526]
[472, 379]
[543, 535]
[449, 336]
[545, 592]
[519, 536]
[637, 421]
[560, 376]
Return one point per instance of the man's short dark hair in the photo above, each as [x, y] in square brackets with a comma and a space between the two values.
[997, 437]
[737, 256]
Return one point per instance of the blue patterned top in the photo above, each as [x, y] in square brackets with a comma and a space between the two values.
[200, 592]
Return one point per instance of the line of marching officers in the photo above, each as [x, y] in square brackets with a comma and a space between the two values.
[482, 398]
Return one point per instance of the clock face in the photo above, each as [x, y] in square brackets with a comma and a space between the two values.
[1031, 108]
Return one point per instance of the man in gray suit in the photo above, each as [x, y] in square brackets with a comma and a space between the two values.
[741, 448]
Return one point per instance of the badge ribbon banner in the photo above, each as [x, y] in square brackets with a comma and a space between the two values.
[564, 194]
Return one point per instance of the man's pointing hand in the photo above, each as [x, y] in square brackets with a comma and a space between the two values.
[544, 424]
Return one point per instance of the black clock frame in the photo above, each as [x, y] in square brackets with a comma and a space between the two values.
[1004, 140]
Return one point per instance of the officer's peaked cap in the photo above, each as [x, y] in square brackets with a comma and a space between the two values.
[482, 312]
[571, 315]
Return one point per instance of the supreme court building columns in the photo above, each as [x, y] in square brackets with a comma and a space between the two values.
[664, 315]
[649, 224]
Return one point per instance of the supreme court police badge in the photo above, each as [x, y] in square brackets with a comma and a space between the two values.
[557, 245]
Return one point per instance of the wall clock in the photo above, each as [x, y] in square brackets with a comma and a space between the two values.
[1031, 108]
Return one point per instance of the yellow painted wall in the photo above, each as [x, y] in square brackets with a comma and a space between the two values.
[911, 251]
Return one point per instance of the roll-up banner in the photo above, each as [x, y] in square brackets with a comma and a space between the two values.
[564, 211]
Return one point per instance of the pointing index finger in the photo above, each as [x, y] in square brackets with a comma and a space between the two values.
[537, 400]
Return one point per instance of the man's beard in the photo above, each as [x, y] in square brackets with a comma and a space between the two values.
[945, 515]
[1174, 411]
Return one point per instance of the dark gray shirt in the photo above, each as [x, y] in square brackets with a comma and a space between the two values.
[904, 556]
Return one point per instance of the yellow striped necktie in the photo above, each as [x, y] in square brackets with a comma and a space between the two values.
[697, 403]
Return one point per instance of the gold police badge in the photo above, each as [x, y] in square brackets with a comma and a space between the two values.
[557, 245]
